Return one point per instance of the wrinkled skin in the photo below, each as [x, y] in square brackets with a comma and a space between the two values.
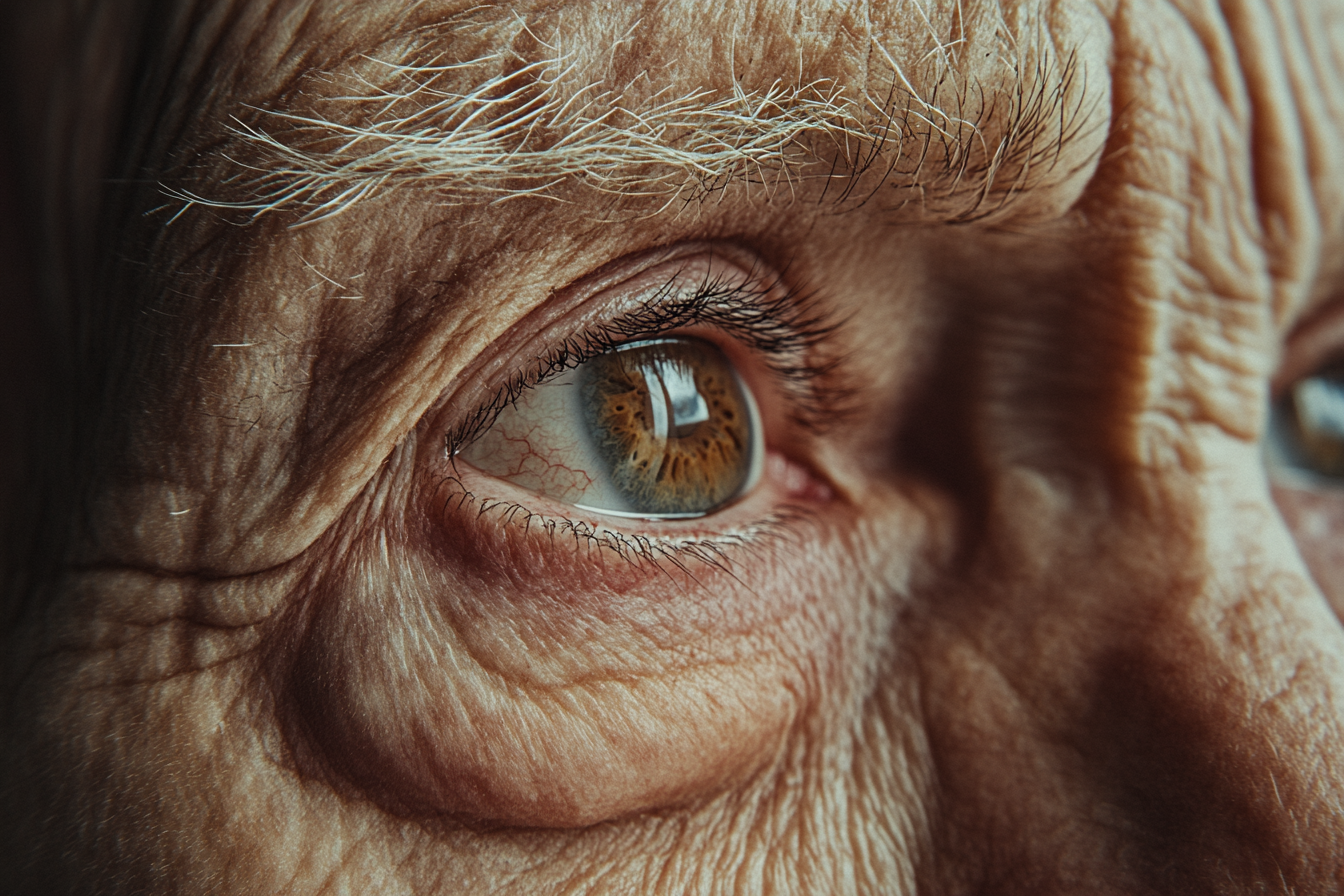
[1043, 626]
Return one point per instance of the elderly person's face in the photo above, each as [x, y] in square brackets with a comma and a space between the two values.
[681, 447]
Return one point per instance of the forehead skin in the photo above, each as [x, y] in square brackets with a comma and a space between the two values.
[1059, 641]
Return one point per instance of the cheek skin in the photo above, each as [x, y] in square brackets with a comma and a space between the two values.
[1316, 520]
[472, 665]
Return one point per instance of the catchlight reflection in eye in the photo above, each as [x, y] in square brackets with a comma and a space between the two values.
[655, 429]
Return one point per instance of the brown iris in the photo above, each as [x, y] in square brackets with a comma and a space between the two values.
[672, 423]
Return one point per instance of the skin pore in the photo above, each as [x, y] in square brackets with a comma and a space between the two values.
[1015, 607]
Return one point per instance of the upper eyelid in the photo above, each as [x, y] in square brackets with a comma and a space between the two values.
[778, 322]
[1311, 345]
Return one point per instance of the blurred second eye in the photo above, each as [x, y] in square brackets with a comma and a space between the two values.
[1306, 435]
[655, 429]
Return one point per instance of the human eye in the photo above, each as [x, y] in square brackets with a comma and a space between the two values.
[659, 428]
[1303, 446]
[566, 641]
[649, 413]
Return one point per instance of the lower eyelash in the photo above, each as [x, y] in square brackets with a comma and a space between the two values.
[716, 552]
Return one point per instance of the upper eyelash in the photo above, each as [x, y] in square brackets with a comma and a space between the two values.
[783, 325]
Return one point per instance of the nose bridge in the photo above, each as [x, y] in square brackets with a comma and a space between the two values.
[1216, 708]
[1137, 679]
[1216, 704]
[1138, 696]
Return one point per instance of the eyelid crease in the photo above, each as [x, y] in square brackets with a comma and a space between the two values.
[779, 323]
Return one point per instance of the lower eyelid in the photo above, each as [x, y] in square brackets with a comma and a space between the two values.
[783, 480]
[488, 610]
[1316, 519]
[533, 530]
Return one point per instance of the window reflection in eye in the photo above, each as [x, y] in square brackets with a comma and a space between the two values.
[656, 429]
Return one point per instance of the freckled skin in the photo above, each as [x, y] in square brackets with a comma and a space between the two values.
[1036, 626]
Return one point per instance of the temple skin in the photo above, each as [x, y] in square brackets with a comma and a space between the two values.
[1037, 621]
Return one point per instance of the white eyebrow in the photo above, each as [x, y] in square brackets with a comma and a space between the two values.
[483, 130]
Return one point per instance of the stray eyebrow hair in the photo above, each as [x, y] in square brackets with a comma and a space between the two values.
[500, 126]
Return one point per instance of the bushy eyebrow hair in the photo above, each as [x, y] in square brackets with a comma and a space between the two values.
[500, 126]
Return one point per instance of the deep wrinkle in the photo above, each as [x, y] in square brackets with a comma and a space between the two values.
[1125, 683]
